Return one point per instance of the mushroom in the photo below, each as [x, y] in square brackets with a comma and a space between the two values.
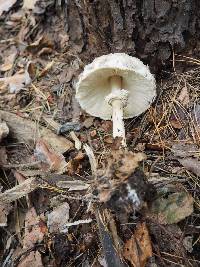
[116, 86]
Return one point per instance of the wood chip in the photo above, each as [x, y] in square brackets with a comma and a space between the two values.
[25, 130]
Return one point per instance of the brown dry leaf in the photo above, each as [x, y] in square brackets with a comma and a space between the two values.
[184, 98]
[29, 4]
[106, 126]
[138, 250]
[191, 164]
[176, 124]
[19, 80]
[122, 173]
[108, 139]
[56, 162]
[66, 75]
[123, 163]
[42, 46]
[172, 209]
[88, 122]
[187, 155]
[58, 218]
[9, 59]
[5, 5]
[33, 259]
[33, 233]
[4, 130]
[74, 165]
[25, 130]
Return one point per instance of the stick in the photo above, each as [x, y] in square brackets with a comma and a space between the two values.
[19, 191]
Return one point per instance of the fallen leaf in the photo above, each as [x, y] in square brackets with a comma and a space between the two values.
[168, 238]
[183, 150]
[74, 165]
[123, 163]
[33, 233]
[191, 164]
[138, 250]
[9, 59]
[188, 156]
[88, 122]
[176, 124]
[172, 209]
[58, 218]
[19, 80]
[39, 46]
[106, 126]
[5, 5]
[29, 4]
[31, 69]
[108, 139]
[25, 130]
[119, 180]
[66, 75]
[4, 130]
[33, 259]
[46, 155]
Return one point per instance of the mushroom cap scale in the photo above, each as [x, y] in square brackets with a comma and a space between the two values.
[93, 85]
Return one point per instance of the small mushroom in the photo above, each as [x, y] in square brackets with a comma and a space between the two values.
[116, 86]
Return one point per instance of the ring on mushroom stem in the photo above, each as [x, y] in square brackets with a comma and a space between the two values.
[99, 89]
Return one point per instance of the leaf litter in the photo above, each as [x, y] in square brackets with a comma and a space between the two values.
[147, 197]
[138, 249]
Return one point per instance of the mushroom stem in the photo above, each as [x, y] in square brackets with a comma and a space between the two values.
[117, 109]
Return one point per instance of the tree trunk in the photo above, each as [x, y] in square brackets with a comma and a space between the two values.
[149, 29]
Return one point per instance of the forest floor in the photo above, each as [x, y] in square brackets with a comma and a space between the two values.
[69, 195]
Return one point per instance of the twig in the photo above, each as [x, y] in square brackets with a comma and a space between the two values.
[19, 191]
[9, 166]
[92, 160]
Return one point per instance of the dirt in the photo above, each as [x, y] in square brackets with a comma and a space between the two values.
[116, 208]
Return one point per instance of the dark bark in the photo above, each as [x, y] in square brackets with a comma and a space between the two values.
[148, 29]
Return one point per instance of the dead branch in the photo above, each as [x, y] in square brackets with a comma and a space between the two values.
[19, 191]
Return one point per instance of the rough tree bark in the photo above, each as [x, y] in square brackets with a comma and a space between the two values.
[149, 29]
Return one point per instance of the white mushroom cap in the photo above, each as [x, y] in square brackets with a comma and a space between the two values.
[93, 85]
